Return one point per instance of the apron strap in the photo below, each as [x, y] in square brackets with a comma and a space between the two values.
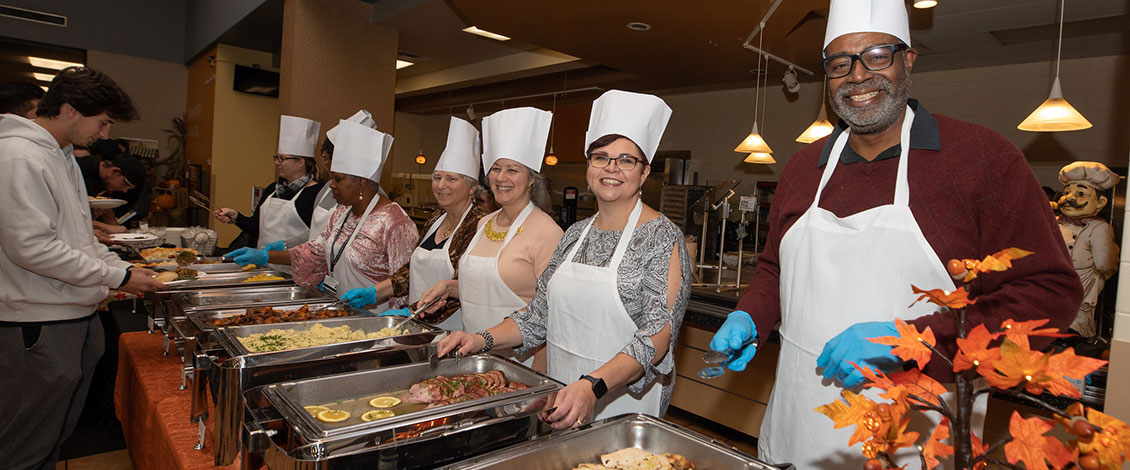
[435, 226]
[330, 262]
[902, 187]
[516, 223]
[621, 245]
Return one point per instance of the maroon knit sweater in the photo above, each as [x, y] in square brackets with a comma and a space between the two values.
[974, 197]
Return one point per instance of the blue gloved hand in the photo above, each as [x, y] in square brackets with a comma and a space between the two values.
[360, 296]
[400, 312]
[737, 329]
[247, 255]
[276, 246]
[852, 345]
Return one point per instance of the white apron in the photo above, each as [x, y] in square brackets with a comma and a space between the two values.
[836, 272]
[588, 325]
[427, 267]
[484, 297]
[343, 276]
[324, 205]
[279, 220]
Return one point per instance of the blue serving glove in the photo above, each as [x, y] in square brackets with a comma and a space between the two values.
[360, 296]
[852, 345]
[400, 312]
[247, 255]
[737, 330]
[276, 246]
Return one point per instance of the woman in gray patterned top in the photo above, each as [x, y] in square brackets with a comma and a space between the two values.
[611, 301]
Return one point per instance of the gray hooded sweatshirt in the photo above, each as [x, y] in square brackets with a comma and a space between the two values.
[51, 266]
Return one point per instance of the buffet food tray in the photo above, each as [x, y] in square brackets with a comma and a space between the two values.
[212, 268]
[230, 369]
[567, 449]
[232, 279]
[281, 434]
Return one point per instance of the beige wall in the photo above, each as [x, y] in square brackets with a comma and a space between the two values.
[245, 135]
[156, 87]
[1118, 378]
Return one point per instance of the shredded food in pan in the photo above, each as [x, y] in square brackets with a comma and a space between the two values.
[262, 278]
[632, 458]
[284, 339]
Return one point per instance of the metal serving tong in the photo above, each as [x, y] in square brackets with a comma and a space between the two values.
[199, 203]
[722, 358]
[415, 313]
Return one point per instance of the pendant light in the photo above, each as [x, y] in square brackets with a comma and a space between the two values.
[1055, 114]
[820, 127]
[760, 158]
[551, 158]
[754, 142]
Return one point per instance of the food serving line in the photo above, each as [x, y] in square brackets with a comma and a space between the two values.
[379, 400]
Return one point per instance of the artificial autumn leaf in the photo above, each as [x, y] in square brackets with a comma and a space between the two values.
[920, 385]
[934, 447]
[1016, 365]
[979, 449]
[957, 298]
[1018, 332]
[999, 261]
[908, 344]
[855, 410]
[1067, 364]
[973, 349]
[1031, 445]
[1112, 444]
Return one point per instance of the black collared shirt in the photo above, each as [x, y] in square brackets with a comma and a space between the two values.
[923, 135]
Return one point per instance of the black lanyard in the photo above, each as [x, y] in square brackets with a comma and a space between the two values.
[334, 258]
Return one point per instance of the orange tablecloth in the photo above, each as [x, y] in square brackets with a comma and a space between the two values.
[154, 414]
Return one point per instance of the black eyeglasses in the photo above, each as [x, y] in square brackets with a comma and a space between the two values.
[624, 162]
[280, 158]
[874, 59]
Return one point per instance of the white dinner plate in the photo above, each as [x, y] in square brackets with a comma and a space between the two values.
[106, 203]
[133, 237]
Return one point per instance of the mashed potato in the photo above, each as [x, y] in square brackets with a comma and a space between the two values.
[281, 340]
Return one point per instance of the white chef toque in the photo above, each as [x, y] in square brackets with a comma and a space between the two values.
[359, 150]
[361, 117]
[297, 136]
[518, 134]
[463, 148]
[639, 117]
[867, 16]
[1092, 174]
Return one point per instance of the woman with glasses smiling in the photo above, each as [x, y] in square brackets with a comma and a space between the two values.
[610, 303]
[283, 215]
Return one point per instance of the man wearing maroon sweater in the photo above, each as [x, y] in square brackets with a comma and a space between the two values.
[881, 204]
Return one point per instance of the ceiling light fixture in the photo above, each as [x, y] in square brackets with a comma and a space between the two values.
[403, 63]
[43, 87]
[923, 4]
[421, 159]
[551, 157]
[484, 33]
[754, 143]
[43, 77]
[638, 26]
[820, 127]
[1055, 114]
[792, 85]
[51, 63]
[760, 158]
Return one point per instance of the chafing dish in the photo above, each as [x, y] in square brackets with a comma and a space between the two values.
[281, 434]
[230, 369]
[219, 267]
[564, 450]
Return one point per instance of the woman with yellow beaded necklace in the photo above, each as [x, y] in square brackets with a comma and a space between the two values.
[498, 273]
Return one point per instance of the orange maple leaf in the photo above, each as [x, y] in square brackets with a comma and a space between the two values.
[855, 410]
[957, 298]
[920, 385]
[1112, 444]
[1018, 332]
[999, 261]
[908, 344]
[1031, 445]
[1016, 365]
[974, 349]
[934, 447]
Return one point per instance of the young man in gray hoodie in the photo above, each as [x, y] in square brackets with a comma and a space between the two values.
[53, 272]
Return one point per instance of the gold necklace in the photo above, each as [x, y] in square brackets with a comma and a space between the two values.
[494, 236]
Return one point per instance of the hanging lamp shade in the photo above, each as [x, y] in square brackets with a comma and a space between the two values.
[819, 128]
[760, 158]
[1054, 115]
[753, 143]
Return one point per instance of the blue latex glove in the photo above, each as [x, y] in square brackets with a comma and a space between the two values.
[400, 312]
[247, 255]
[276, 246]
[737, 329]
[360, 296]
[853, 345]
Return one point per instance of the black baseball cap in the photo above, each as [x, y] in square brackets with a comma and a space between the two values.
[132, 168]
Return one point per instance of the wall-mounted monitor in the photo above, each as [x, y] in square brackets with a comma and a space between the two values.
[256, 81]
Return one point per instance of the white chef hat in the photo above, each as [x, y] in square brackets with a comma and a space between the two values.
[867, 16]
[518, 134]
[297, 136]
[1093, 174]
[462, 152]
[639, 117]
[359, 150]
[361, 117]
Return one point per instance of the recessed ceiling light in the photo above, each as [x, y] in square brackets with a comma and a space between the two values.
[51, 63]
[403, 63]
[757, 71]
[638, 26]
[486, 34]
[43, 77]
[43, 87]
[925, 3]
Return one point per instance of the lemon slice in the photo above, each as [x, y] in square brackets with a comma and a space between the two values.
[333, 416]
[315, 409]
[384, 402]
[377, 414]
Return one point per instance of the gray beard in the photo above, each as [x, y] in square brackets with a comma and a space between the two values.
[878, 117]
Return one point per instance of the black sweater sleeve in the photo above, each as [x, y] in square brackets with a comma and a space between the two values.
[251, 224]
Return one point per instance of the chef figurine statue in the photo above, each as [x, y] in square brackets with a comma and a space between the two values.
[1089, 238]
